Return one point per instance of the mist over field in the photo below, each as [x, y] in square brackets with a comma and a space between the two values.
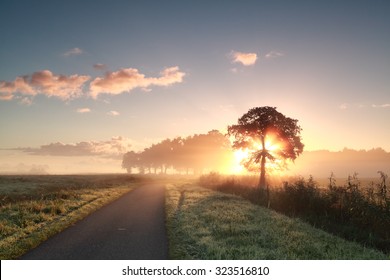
[342, 163]
[319, 164]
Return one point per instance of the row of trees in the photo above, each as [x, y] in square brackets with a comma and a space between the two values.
[193, 154]
[213, 150]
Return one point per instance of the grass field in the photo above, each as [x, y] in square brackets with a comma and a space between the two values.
[201, 223]
[205, 224]
[354, 211]
[33, 208]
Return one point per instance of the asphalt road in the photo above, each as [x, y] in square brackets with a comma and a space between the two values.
[130, 228]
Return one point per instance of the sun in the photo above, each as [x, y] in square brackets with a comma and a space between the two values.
[271, 144]
[240, 156]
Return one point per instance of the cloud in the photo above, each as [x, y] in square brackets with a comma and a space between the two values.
[113, 113]
[343, 106]
[5, 95]
[83, 110]
[386, 105]
[100, 66]
[74, 51]
[61, 86]
[274, 54]
[46, 83]
[72, 86]
[26, 101]
[113, 148]
[127, 79]
[245, 59]
[20, 84]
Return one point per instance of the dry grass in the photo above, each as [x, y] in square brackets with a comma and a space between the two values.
[33, 208]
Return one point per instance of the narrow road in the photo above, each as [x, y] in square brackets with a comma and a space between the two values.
[130, 228]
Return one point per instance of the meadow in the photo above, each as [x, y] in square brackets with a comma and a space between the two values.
[206, 224]
[354, 211]
[224, 220]
[33, 208]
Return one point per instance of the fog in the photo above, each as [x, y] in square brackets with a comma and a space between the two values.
[18, 162]
[342, 163]
[320, 164]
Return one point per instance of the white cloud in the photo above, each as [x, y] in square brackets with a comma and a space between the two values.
[26, 101]
[113, 113]
[386, 105]
[274, 54]
[146, 89]
[74, 51]
[127, 79]
[100, 66]
[343, 106]
[245, 59]
[83, 110]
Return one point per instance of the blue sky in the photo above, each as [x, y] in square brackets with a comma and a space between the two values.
[325, 63]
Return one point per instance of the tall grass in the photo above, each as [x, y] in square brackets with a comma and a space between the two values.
[353, 212]
[206, 224]
[33, 208]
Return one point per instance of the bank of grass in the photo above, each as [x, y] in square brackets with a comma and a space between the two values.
[204, 224]
[353, 211]
[33, 208]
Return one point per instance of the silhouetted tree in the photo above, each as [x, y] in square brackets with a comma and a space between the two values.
[130, 160]
[256, 126]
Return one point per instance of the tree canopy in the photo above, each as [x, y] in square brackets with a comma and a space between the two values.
[268, 135]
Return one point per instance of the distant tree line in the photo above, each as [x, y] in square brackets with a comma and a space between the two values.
[191, 155]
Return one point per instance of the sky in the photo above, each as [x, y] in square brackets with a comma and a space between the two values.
[82, 82]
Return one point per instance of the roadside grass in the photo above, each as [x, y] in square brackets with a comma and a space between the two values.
[354, 211]
[203, 224]
[33, 208]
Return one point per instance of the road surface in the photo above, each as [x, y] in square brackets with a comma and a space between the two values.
[130, 228]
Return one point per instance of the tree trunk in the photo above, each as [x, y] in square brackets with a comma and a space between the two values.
[262, 174]
[262, 167]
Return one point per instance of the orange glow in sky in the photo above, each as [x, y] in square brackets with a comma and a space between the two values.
[144, 75]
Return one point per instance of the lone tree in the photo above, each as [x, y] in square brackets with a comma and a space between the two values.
[266, 134]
